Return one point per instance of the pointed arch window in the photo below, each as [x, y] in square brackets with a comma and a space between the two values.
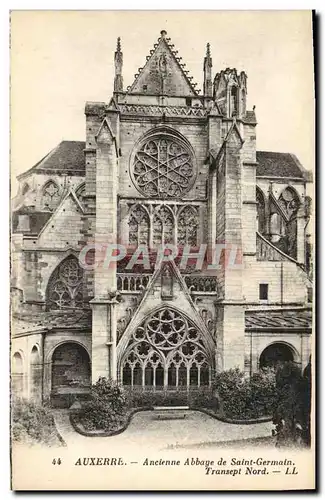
[187, 228]
[163, 226]
[290, 203]
[17, 375]
[50, 196]
[138, 226]
[65, 290]
[167, 350]
[234, 101]
[260, 212]
[243, 102]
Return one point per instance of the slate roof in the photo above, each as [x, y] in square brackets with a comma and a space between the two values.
[250, 117]
[68, 156]
[32, 322]
[279, 165]
[278, 318]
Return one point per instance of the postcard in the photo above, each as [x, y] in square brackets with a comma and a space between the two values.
[162, 242]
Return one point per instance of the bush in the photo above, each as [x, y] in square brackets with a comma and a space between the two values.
[106, 409]
[292, 411]
[243, 398]
[32, 423]
[149, 398]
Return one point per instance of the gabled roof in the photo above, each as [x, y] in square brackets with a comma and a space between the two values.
[279, 318]
[68, 156]
[280, 165]
[163, 73]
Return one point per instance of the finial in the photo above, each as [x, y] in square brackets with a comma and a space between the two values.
[254, 107]
[118, 47]
[163, 33]
[208, 50]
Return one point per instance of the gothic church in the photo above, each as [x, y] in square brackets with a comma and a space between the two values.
[163, 164]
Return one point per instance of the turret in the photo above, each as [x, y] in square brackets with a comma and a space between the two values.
[207, 71]
[229, 92]
[118, 60]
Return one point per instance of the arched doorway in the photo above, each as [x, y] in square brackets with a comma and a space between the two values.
[35, 375]
[70, 369]
[275, 354]
[17, 375]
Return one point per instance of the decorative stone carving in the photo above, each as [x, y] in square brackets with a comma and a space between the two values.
[166, 350]
[184, 111]
[201, 283]
[163, 167]
[65, 286]
[51, 196]
[138, 226]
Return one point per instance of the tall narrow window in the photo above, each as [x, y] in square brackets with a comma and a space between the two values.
[233, 101]
[264, 291]
[51, 196]
[163, 226]
[138, 226]
[187, 228]
[260, 212]
[289, 202]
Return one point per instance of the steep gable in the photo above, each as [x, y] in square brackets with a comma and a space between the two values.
[63, 228]
[163, 73]
[153, 300]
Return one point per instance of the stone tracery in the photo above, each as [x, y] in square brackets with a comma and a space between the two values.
[166, 350]
[65, 286]
[51, 195]
[163, 167]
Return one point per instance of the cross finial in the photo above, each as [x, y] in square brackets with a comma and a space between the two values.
[163, 33]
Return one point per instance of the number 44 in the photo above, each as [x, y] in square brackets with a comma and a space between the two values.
[56, 461]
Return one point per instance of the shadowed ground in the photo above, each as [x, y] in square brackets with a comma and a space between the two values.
[197, 430]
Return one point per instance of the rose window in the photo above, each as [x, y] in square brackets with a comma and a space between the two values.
[163, 167]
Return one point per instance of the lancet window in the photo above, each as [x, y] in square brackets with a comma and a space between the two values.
[187, 229]
[163, 226]
[138, 226]
[260, 212]
[50, 196]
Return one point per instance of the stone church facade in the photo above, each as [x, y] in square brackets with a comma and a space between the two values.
[163, 167]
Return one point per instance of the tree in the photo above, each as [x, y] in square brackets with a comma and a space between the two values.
[292, 409]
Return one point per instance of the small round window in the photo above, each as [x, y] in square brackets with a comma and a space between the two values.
[163, 167]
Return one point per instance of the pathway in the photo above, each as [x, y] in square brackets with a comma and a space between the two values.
[145, 431]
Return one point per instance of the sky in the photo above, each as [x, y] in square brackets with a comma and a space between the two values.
[61, 59]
